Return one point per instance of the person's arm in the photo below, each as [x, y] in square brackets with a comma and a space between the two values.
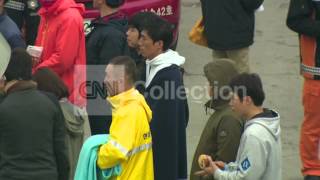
[122, 137]
[113, 45]
[299, 18]
[253, 161]
[16, 41]
[251, 5]
[228, 139]
[59, 146]
[67, 45]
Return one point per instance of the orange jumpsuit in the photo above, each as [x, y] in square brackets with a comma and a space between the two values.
[303, 18]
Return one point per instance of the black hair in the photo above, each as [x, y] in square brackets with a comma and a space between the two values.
[248, 85]
[159, 29]
[20, 65]
[129, 65]
[49, 81]
[139, 19]
[114, 3]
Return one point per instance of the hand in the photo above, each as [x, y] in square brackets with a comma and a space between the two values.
[209, 169]
[220, 164]
[35, 61]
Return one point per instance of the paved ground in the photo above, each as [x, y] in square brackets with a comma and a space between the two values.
[274, 56]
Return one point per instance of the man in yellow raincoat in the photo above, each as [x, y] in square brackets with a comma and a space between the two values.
[130, 142]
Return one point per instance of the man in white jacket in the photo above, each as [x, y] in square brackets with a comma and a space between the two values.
[259, 153]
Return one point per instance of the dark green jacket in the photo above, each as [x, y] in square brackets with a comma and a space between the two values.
[220, 138]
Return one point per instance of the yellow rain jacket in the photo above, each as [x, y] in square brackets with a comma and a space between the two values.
[130, 142]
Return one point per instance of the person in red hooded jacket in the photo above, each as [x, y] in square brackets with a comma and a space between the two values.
[61, 34]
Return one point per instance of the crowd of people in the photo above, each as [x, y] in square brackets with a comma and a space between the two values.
[52, 128]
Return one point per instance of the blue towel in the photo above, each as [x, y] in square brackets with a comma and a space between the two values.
[87, 164]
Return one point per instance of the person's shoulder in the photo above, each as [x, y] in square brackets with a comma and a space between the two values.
[257, 131]
[71, 15]
[49, 98]
[10, 25]
[172, 72]
[230, 120]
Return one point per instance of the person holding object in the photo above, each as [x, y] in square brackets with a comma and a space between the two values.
[259, 153]
[130, 143]
[61, 35]
[221, 135]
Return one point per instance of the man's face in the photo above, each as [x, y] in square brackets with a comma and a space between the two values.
[148, 48]
[114, 79]
[237, 105]
[133, 37]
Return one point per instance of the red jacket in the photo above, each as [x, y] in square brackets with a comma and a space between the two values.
[61, 35]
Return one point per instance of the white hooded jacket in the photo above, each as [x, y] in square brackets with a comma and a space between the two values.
[160, 62]
[259, 153]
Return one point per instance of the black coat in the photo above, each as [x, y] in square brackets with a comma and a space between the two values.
[168, 125]
[107, 39]
[229, 24]
[32, 136]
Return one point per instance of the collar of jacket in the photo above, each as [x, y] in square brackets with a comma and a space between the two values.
[122, 98]
[106, 19]
[21, 86]
[216, 104]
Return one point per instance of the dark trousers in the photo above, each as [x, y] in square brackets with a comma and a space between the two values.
[100, 124]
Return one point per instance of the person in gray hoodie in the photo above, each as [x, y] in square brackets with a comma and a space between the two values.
[259, 153]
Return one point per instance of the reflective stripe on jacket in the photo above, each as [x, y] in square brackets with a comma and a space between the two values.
[302, 18]
[309, 54]
[130, 138]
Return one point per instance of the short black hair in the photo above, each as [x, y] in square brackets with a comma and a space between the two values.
[252, 87]
[139, 19]
[114, 3]
[159, 29]
[20, 65]
[129, 65]
[49, 81]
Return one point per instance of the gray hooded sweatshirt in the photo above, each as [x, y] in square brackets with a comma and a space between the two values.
[259, 153]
